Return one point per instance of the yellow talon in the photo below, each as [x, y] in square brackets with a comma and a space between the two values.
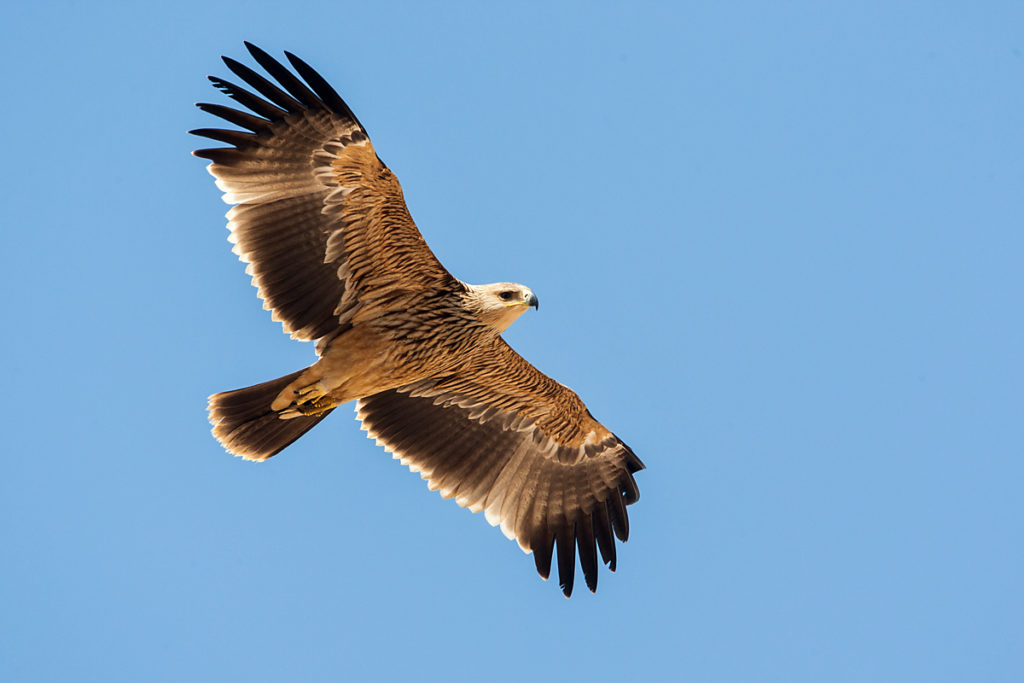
[307, 405]
[313, 392]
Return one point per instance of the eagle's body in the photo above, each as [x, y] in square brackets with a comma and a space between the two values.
[337, 258]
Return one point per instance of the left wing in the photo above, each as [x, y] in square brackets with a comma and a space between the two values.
[502, 437]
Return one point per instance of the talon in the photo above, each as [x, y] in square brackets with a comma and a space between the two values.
[312, 408]
[323, 404]
[313, 392]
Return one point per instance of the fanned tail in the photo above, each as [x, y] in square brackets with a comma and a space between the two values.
[245, 424]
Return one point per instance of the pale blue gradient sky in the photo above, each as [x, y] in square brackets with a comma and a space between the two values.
[780, 253]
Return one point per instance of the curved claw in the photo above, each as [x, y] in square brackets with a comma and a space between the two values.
[310, 401]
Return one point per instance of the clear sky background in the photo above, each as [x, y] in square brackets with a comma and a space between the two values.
[779, 249]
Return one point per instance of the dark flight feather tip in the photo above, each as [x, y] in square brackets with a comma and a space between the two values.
[543, 544]
[566, 543]
[222, 156]
[248, 100]
[323, 89]
[239, 118]
[617, 514]
[603, 532]
[588, 551]
[263, 86]
[232, 137]
[293, 85]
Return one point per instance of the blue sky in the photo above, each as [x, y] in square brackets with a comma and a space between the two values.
[779, 249]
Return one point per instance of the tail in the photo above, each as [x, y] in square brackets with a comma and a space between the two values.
[245, 424]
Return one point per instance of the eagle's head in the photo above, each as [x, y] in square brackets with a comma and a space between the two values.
[498, 305]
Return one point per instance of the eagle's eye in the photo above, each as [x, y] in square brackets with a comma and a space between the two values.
[506, 296]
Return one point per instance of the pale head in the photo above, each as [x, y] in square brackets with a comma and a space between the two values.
[499, 304]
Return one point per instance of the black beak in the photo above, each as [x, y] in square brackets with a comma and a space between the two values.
[533, 301]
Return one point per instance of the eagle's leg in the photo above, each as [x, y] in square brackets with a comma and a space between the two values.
[353, 365]
[311, 393]
[307, 389]
[313, 408]
[310, 400]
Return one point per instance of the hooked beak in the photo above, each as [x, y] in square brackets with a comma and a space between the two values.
[533, 301]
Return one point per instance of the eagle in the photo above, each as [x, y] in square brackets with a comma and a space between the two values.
[335, 256]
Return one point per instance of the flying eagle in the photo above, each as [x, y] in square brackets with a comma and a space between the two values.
[336, 257]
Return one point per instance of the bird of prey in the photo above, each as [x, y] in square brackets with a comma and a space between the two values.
[336, 257]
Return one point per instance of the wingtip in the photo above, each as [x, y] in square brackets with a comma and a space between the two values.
[635, 464]
[255, 50]
[295, 61]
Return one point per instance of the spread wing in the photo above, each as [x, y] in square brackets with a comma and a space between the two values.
[503, 438]
[319, 218]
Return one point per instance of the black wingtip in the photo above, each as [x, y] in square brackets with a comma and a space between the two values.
[603, 531]
[255, 104]
[292, 85]
[224, 156]
[543, 545]
[264, 87]
[232, 137]
[231, 63]
[258, 53]
[633, 463]
[587, 545]
[565, 542]
[322, 88]
[239, 118]
[618, 517]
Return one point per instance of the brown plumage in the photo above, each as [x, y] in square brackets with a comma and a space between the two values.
[335, 256]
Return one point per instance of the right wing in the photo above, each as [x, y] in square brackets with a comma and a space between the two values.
[319, 218]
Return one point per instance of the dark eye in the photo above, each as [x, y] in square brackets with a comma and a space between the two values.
[506, 296]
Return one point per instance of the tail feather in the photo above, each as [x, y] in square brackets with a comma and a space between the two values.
[245, 424]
